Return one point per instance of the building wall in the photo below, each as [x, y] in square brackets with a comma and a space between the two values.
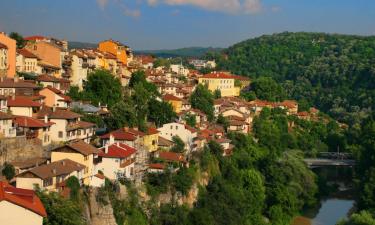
[3, 60]
[21, 111]
[11, 44]
[177, 105]
[226, 86]
[79, 74]
[175, 129]
[151, 142]
[13, 214]
[46, 52]
[6, 129]
[28, 183]
[50, 99]
[79, 158]
[60, 125]
[111, 47]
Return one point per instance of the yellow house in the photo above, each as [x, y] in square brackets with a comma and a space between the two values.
[174, 101]
[115, 48]
[150, 140]
[80, 152]
[228, 84]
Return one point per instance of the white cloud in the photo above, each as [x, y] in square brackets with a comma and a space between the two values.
[102, 3]
[132, 12]
[227, 6]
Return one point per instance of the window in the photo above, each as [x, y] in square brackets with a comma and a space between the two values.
[86, 157]
[47, 182]
[176, 127]
[171, 127]
[79, 132]
[60, 134]
[86, 170]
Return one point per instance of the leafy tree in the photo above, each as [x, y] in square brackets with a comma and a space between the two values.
[178, 144]
[136, 78]
[203, 100]
[122, 114]
[102, 87]
[8, 171]
[73, 184]
[266, 88]
[222, 121]
[361, 218]
[74, 93]
[190, 120]
[60, 210]
[19, 39]
[217, 94]
[160, 112]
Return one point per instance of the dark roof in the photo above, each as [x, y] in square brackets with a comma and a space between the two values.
[10, 83]
[5, 116]
[26, 53]
[58, 113]
[57, 168]
[79, 146]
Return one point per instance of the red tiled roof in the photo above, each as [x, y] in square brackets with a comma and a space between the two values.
[100, 176]
[157, 166]
[22, 101]
[172, 156]
[58, 114]
[152, 130]
[22, 197]
[11, 83]
[223, 75]
[289, 104]
[5, 116]
[24, 121]
[191, 129]
[120, 134]
[49, 78]
[169, 97]
[34, 38]
[117, 150]
[26, 53]
[303, 113]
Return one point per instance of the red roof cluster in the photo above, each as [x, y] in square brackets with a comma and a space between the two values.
[172, 156]
[223, 75]
[117, 150]
[22, 197]
[24, 121]
[26, 53]
[169, 97]
[34, 38]
[129, 134]
[22, 101]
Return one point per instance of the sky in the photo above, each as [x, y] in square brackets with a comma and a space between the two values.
[169, 24]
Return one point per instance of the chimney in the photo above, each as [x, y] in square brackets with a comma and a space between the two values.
[54, 171]
[16, 79]
[118, 144]
[45, 118]
[111, 139]
[63, 163]
[54, 108]
[106, 149]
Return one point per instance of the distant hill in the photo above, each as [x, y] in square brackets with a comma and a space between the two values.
[334, 72]
[181, 52]
[76, 44]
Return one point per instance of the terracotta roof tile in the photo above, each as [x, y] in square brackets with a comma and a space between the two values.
[80, 147]
[22, 101]
[22, 197]
[26, 53]
[172, 156]
[24, 121]
[117, 150]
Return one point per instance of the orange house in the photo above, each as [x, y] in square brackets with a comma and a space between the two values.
[11, 45]
[115, 48]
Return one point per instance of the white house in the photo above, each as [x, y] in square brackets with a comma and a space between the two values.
[185, 132]
[116, 160]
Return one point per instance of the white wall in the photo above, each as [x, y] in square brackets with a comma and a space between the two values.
[11, 214]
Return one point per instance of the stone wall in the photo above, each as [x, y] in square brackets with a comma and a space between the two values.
[19, 148]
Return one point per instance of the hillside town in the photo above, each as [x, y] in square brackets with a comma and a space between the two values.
[44, 137]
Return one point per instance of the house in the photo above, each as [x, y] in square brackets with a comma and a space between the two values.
[3, 60]
[27, 62]
[16, 86]
[120, 51]
[46, 80]
[238, 124]
[20, 206]
[34, 129]
[156, 168]
[7, 129]
[21, 165]
[55, 97]
[290, 106]
[79, 152]
[50, 176]
[164, 144]
[174, 101]
[116, 160]
[23, 106]
[172, 157]
[226, 83]
[48, 53]
[67, 125]
[185, 132]
[133, 137]
[9, 46]
[79, 68]
[179, 69]
[90, 109]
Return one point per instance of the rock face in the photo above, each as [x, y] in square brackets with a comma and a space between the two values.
[13, 149]
[99, 214]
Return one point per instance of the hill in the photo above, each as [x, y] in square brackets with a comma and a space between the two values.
[79, 45]
[334, 72]
[182, 52]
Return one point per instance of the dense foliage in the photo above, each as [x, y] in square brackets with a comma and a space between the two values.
[336, 73]
[203, 100]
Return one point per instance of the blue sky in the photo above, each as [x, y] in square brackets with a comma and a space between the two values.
[168, 24]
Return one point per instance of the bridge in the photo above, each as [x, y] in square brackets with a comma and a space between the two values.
[331, 159]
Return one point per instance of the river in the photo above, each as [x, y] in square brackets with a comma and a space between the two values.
[336, 205]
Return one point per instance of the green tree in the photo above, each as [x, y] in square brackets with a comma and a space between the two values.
[73, 184]
[178, 144]
[266, 88]
[222, 121]
[102, 87]
[190, 119]
[122, 114]
[217, 94]
[8, 171]
[203, 100]
[361, 218]
[19, 39]
[160, 112]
